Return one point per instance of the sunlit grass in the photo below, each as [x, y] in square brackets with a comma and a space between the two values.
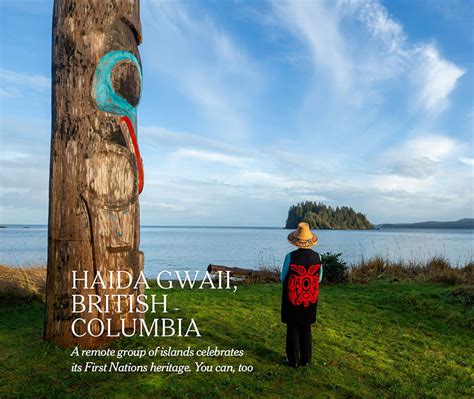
[381, 339]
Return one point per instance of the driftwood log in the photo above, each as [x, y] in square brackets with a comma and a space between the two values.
[96, 171]
[246, 274]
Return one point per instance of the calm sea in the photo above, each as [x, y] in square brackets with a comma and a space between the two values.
[193, 248]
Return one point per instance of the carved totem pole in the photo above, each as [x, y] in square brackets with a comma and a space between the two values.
[96, 172]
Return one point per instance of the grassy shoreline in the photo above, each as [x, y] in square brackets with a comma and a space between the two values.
[436, 269]
[385, 338]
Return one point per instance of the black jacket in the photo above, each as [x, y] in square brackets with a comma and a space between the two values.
[301, 287]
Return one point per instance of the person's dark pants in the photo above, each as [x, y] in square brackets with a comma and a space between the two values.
[298, 344]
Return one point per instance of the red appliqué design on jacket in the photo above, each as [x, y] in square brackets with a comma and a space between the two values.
[303, 287]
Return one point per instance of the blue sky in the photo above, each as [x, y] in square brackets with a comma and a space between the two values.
[251, 106]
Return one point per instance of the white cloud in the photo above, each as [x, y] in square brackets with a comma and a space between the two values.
[379, 23]
[184, 154]
[467, 161]
[317, 25]
[14, 82]
[432, 147]
[437, 78]
[10, 92]
[165, 207]
[203, 61]
[421, 179]
[417, 157]
[216, 181]
[359, 46]
[371, 50]
[14, 156]
[158, 136]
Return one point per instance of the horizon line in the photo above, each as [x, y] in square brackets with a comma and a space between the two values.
[241, 227]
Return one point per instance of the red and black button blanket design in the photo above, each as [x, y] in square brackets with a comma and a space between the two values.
[303, 286]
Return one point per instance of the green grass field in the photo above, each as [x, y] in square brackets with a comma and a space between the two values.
[384, 339]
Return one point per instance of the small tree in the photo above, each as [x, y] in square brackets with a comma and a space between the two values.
[335, 269]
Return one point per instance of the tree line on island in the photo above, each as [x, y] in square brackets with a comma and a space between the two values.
[320, 216]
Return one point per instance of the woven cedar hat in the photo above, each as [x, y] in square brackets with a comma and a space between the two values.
[302, 237]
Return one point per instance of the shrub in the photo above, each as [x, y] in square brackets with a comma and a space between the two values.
[334, 268]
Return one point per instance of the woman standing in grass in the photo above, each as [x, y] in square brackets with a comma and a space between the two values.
[301, 274]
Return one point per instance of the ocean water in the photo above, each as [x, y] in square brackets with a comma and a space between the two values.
[193, 248]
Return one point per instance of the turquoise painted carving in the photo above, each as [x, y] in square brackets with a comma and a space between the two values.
[106, 98]
[109, 99]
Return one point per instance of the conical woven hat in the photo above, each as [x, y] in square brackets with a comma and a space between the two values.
[302, 237]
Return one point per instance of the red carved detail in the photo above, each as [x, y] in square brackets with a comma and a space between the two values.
[303, 287]
[137, 152]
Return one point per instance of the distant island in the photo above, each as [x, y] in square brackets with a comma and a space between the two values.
[466, 223]
[320, 216]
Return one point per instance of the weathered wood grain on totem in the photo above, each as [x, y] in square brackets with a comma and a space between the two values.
[94, 179]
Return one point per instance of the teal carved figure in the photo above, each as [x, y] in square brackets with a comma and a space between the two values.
[121, 102]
